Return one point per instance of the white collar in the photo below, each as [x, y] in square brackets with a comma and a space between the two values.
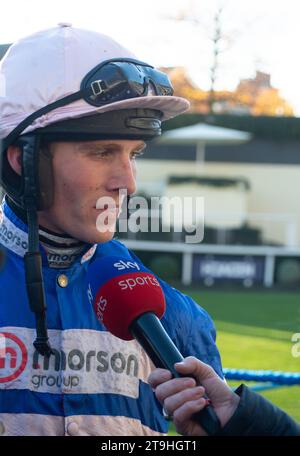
[14, 235]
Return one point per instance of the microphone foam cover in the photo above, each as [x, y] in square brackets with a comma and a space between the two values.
[119, 298]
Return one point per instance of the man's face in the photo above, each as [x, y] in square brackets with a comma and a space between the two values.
[85, 172]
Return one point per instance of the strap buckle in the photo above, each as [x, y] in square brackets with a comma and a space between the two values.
[98, 87]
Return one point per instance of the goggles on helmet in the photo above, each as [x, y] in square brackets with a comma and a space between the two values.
[111, 81]
[118, 79]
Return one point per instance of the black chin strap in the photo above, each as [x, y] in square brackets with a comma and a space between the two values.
[32, 258]
[35, 286]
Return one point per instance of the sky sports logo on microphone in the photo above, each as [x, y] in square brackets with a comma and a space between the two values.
[120, 289]
[100, 305]
[121, 265]
[141, 280]
[128, 283]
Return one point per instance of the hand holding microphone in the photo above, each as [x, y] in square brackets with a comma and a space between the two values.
[129, 301]
[183, 400]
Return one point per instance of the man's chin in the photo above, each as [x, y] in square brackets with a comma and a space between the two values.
[101, 237]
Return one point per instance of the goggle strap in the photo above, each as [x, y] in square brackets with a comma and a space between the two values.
[98, 87]
[13, 135]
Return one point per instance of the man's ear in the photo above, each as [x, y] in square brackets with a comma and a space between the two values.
[14, 159]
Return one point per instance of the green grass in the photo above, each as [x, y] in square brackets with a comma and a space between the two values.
[254, 331]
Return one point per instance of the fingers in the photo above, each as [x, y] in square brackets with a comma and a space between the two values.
[196, 368]
[175, 392]
[189, 366]
[175, 401]
[164, 385]
[159, 376]
[183, 418]
[181, 397]
[172, 387]
[188, 409]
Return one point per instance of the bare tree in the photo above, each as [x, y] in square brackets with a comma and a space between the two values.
[217, 38]
[221, 41]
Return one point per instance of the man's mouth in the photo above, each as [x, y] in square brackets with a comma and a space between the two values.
[109, 209]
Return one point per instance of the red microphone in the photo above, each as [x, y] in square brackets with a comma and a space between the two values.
[122, 299]
[130, 305]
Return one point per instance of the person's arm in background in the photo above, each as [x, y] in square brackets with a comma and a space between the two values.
[242, 412]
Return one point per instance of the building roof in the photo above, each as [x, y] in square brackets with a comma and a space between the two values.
[256, 151]
[263, 127]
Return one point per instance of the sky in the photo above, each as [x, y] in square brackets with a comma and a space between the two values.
[258, 34]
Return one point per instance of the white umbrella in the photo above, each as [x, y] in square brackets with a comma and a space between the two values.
[207, 134]
[202, 134]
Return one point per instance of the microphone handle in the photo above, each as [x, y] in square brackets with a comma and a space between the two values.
[151, 335]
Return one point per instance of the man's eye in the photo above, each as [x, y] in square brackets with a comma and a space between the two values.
[103, 153]
[137, 153]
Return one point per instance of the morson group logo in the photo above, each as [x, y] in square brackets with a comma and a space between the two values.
[88, 362]
[13, 357]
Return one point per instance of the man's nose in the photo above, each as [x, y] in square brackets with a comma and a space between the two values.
[125, 175]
